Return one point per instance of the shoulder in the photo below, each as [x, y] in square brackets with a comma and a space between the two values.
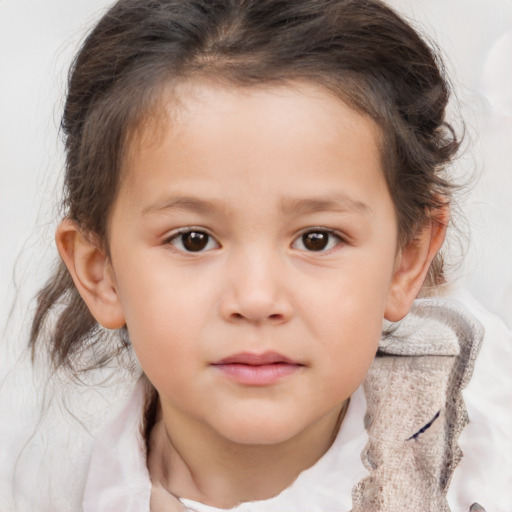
[48, 425]
[485, 470]
[425, 400]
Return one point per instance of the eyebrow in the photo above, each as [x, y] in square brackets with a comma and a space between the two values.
[339, 203]
[183, 203]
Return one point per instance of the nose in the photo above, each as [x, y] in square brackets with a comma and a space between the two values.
[256, 290]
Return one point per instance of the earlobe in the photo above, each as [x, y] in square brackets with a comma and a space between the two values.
[413, 263]
[92, 274]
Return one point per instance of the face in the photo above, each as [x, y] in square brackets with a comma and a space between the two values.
[253, 245]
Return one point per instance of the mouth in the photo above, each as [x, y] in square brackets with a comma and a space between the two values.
[252, 369]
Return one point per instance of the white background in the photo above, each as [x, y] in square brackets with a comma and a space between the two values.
[38, 39]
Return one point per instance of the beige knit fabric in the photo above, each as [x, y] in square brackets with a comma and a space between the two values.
[415, 410]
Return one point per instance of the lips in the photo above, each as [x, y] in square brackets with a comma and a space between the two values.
[252, 369]
[256, 359]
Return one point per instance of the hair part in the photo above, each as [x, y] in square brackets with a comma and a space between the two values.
[362, 52]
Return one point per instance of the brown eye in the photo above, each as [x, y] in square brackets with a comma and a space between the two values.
[317, 241]
[193, 241]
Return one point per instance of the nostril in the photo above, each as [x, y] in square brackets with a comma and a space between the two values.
[277, 317]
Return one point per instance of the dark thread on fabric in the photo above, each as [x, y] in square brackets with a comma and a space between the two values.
[427, 426]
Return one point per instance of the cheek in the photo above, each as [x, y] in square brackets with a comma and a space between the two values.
[164, 315]
[156, 293]
[348, 355]
[351, 298]
[346, 319]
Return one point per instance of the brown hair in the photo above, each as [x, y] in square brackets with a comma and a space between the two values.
[359, 50]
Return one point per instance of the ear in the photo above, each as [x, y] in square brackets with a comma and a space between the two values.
[413, 262]
[92, 274]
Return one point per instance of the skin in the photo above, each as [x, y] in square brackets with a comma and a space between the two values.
[253, 170]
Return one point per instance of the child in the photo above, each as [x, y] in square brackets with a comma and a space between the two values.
[252, 187]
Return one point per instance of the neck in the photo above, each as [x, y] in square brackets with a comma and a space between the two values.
[198, 464]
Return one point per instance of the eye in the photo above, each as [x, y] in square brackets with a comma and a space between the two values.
[317, 240]
[193, 241]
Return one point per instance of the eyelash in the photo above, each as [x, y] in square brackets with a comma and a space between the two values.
[177, 240]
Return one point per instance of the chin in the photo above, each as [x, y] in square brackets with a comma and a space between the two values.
[259, 433]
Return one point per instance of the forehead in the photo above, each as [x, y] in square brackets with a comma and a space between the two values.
[273, 137]
[176, 106]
